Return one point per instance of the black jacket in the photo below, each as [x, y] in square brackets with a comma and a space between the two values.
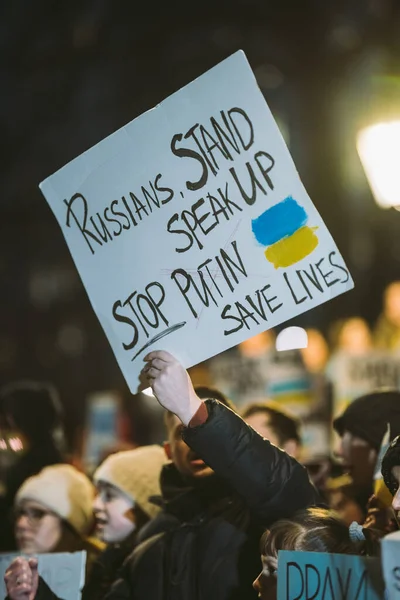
[210, 546]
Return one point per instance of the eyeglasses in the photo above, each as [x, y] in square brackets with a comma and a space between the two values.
[34, 515]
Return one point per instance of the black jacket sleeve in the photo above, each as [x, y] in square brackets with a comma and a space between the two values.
[273, 484]
[44, 592]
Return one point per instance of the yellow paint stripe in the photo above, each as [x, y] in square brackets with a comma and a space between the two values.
[292, 249]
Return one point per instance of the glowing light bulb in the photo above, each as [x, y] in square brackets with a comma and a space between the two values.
[379, 150]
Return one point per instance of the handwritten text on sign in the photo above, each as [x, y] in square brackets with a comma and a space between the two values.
[323, 576]
[191, 224]
[390, 546]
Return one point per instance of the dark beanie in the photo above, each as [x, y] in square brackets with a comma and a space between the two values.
[390, 460]
[367, 417]
[33, 407]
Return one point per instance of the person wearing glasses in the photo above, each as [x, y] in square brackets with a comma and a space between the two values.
[32, 438]
[52, 513]
[125, 484]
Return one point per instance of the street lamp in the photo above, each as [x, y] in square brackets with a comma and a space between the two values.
[379, 150]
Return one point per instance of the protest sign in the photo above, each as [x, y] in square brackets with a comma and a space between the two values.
[103, 414]
[353, 376]
[323, 576]
[190, 226]
[63, 572]
[390, 546]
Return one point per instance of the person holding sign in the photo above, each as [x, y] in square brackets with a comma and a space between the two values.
[219, 495]
[53, 513]
[31, 417]
[125, 482]
[311, 530]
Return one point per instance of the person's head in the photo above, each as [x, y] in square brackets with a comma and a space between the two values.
[188, 463]
[32, 409]
[391, 473]
[310, 530]
[352, 335]
[275, 424]
[49, 507]
[361, 428]
[258, 344]
[341, 497]
[316, 353]
[392, 303]
[125, 483]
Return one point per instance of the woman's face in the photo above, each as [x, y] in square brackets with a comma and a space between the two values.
[266, 583]
[114, 514]
[396, 497]
[37, 529]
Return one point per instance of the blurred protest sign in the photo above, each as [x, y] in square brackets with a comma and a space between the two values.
[63, 572]
[280, 376]
[390, 548]
[102, 426]
[353, 376]
[323, 576]
[190, 226]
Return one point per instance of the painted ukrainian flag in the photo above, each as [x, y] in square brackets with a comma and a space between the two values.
[283, 228]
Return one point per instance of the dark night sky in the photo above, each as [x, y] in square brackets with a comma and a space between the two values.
[71, 73]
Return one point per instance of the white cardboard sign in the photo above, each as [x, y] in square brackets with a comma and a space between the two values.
[190, 227]
[390, 546]
[325, 576]
[63, 572]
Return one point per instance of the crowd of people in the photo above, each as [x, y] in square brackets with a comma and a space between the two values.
[206, 514]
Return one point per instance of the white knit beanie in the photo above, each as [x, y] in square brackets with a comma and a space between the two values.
[136, 473]
[65, 491]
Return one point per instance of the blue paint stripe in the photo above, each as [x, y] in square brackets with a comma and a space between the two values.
[279, 221]
[299, 385]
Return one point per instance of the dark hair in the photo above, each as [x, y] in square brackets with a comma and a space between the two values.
[31, 406]
[70, 540]
[310, 530]
[204, 393]
[368, 416]
[285, 426]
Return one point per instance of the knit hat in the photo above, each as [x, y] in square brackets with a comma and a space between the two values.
[367, 417]
[390, 460]
[136, 473]
[65, 491]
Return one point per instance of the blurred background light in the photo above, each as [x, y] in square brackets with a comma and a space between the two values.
[379, 150]
[71, 340]
[291, 338]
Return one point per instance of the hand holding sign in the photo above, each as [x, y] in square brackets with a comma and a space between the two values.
[22, 579]
[171, 385]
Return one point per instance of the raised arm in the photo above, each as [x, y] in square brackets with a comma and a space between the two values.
[272, 483]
